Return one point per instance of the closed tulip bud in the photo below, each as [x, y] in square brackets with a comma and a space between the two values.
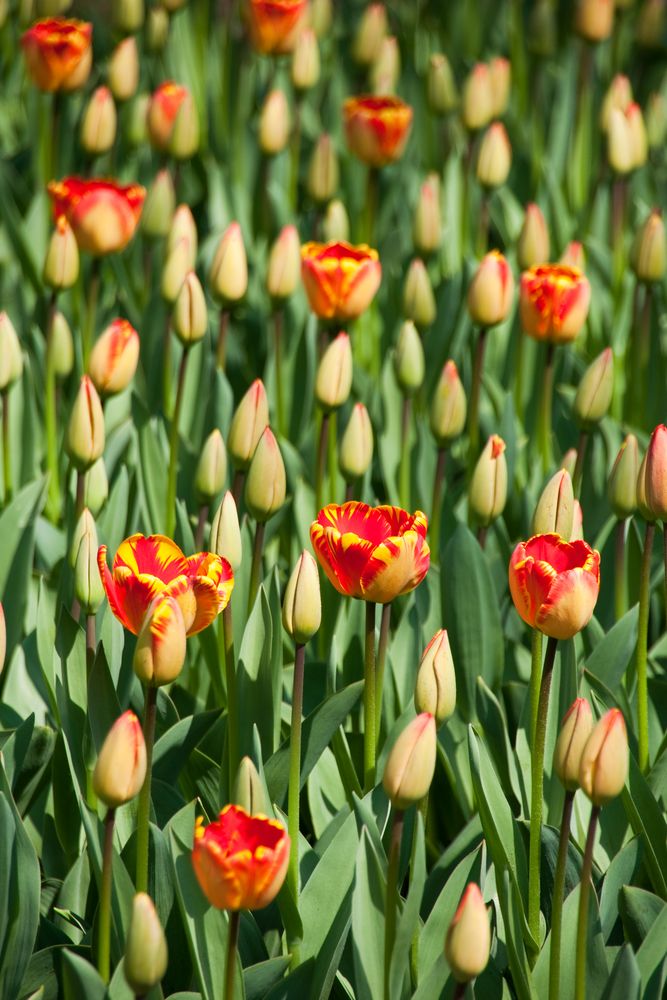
[211, 468]
[114, 358]
[468, 940]
[321, 17]
[648, 252]
[85, 524]
[555, 508]
[491, 291]
[159, 206]
[650, 24]
[184, 138]
[604, 762]
[448, 408]
[265, 486]
[500, 72]
[248, 789]
[533, 245]
[619, 95]
[577, 522]
[183, 228]
[160, 651]
[323, 173]
[121, 766]
[656, 120]
[137, 128]
[575, 729]
[248, 423]
[85, 431]
[355, 453]
[573, 255]
[386, 69]
[638, 136]
[371, 30]
[495, 156]
[61, 266]
[334, 374]
[3, 639]
[409, 359]
[642, 496]
[488, 487]
[128, 15]
[305, 61]
[594, 19]
[62, 345]
[477, 98]
[190, 318]
[157, 29]
[435, 688]
[228, 276]
[123, 72]
[418, 298]
[274, 123]
[621, 142]
[88, 588]
[593, 397]
[441, 92]
[225, 537]
[302, 605]
[284, 268]
[11, 358]
[96, 486]
[427, 228]
[656, 473]
[145, 961]
[569, 461]
[177, 265]
[410, 765]
[336, 224]
[622, 485]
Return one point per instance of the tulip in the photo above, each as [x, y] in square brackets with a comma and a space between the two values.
[177, 265]
[409, 359]
[656, 473]
[305, 61]
[62, 345]
[266, 484]
[491, 291]
[190, 318]
[488, 488]
[88, 588]
[495, 157]
[302, 605]
[275, 24]
[650, 25]
[123, 71]
[164, 106]
[656, 120]
[145, 961]
[418, 298]
[336, 225]
[553, 302]
[157, 29]
[228, 276]
[448, 407]
[533, 245]
[183, 228]
[355, 453]
[642, 495]
[410, 766]
[11, 357]
[58, 53]
[84, 525]
[627, 143]
[102, 214]
[323, 173]
[284, 267]
[160, 651]
[321, 16]
[249, 791]
[85, 431]
[211, 467]
[477, 99]
[98, 126]
[250, 419]
[622, 485]
[593, 397]
[386, 69]
[554, 513]
[334, 374]
[96, 486]
[468, 941]
[274, 123]
[603, 769]
[500, 73]
[61, 266]
[121, 765]
[377, 128]
[574, 256]
[225, 537]
[136, 129]
[427, 226]
[340, 280]
[128, 15]
[649, 250]
[371, 31]
[619, 96]
[441, 92]
[159, 208]
[114, 358]
[594, 19]
[435, 687]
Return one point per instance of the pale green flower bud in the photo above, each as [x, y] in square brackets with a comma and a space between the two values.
[123, 72]
[410, 765]
[575, 729]
[248, 789]
[61, 266]
[88, 588]
[302, 604]
[488, 486]
[409, 359]
[622, 485]
[190, 318]
[418, 298]
[336, 224]
[96, 486]
[649, 249]
[98, 126]
[228, 276]
[85, 431]
[495, 156]
[323, 172]
[145, 961]
[334, 374]
[225, 537]
[62, 345]
[355, 453]
[435, 688]
[212, 467]
[441, 91]
[250, 418]
[266, 484]
[11, 358]
[593, 397]
[555, 508]
[448, 408]
[159, 208]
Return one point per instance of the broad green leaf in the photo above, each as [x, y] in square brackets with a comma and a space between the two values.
[368, 916]
[610, 657]
[624, 981]
[326, 892]
[81, 978]
[638, 910]
[648, 821]
[651, 954]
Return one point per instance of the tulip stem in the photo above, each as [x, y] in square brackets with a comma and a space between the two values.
[170, 512]
[143, 815]
[584, 896]
[391, 911]
[579, 464]
[6, 447]
[475, 389]
[232, 941]
[237, 485]
[459, 991]
[88, 329]
[372, 184]
[557, 898]
[321, 460]
[278, 364]
[536, 793]
[53, 504]
[104, 919]
[166, 366]
[620, 572]
[383, 642]
[226, 655]
[332, 450]
[91, 642]
[436, 503]
[369, 699]
[482, 532]
[535, 678]
[295, 771]
[223, 330]
[642, 648]
[546, 403]
[404, 464]
[483, 231]
[256, 568]
[618, 213]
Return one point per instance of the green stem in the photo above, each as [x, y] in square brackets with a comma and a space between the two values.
[546, 404]
[404, 465]
[618, 213]
[380, 664]
[436, 503]
[104, 924]
[483, 230]
[475, 389]
[642, 648]
[391, 912]
[536, 793]
[372, 185]
[422, 808]
[144, 813]
[321, 459]
[519, 363]
[221, 349]
[620, 572]
[369, 699]
[230, 965]
[579, 464]
[6, 447]
[88, 330]
[332, 456]
[295, 156]
[170, 513]
[226, 656]
[584, 896]
[459, 991]
[535, 678]
[256, 568]
[557, 898]
[53, 503]
[295, 772]
[166, 367]
[278, 362]
[91, 642]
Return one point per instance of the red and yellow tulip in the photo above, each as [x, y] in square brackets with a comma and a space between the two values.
[377, 128]
[164, 105]
[340, 279]
[274, 24]
[102, 213]
[553, 302]
[58, 53]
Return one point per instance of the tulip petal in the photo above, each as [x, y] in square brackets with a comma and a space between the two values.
[134, 594]
[342, 557]
[110, 587]
[396, 567]
[155, 554]
[569, 605]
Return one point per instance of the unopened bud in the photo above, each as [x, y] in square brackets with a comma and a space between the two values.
[605, 759]
[593, 397]
[165, 103]
[321, 17]
[274, 123]
[555, 508]
[468, 940]
[619, 96]
[569, 461]
[594, 19]
[121, 766]
[323, 173]
[302, 604]
[488, 487]
[427, 228]
[62, 345]
[136, 128]
[248, 789]
[145, 961]
[577, 522]
[225, 537]
[622, 485]
[418, 298]
[435, 688]
[177, 265]
[409, 359]
[228, 276]
[500, 73]
[650, 24]
[159, 206]
[211, 468]
[533, 245]
[336, 224]
[410, 765]
[96, 486]
[575, 729]
[183, 228]
[648, 252]
[495, 156]
[184, 138]
[190, 318]
[491, 291]
[627, 143]
[573, 255]
[266, 485]
[88, 588]
[448, 408]
[656, 120]
[61, 266]
[334, 374]
[85, 524]
[441, 91]
[656, 473]
[11, 358]
[85, 431]
[355, 453]
[98, 126]
[128, 15]
[114, 358]
[386, 69]
[541, 36]
[642, 496]
[477, 99]
[160, 651]
[248, 423]
[123, 72]
[284, 267]
[305, 61]
[371, 29]
[157, 29]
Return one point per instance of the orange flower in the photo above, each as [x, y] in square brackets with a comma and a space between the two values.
[373, 553]
[240, 860]
[553, 303]
[162, 110]
[58, 53]
[555, 584]
[102, 213]
[340, 279]
[377, 128]
[145, 567]
[274, 24]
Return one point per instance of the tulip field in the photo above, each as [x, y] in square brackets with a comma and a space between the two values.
[333, 500]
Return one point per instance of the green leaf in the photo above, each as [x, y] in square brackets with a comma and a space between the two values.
[651, 954]
[17, 530]
[174, 747]
[638, 910]
[368, 909]
[647, 819]
[260, 978]
[431, 940]
[625, 979]
[408, 919]
[620, 872]
[80, 978]
[611, 656]
[326, 894]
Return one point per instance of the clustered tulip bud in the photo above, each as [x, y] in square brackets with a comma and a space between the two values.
[177, 264]
[409, 361]
[371, 29]
[619, 96]
[274, 123]
[96, 486]
[355, 452]
[656, 473]
[183, 228]
[441, 91]
[488, 487]
[159, 206]
[477, 99]
[605, 759]
[427, 228]
[302, 605]
[61, 266]
[468, 941]
[248, 789]
[121, 766]
[649, 249]
[448, 408]
[627, 143]
[410, 765]
[88, 588]
[334, 374]
[323, 172]
[533, 245]
[11, 358]
[500, 73]
[555, 508]
[622, 485]
[495, 156]
[114, 358]
[98, 126]
[146, 957]
[137, 129]
[266, 484]
[160, 651]
[190, 318]
[656, 120]
[157, 29]
[594, 19]
[386, 69]
[123, 72]
[228, 276]
[650, 24]
[435, 688]
[491, 291]
[225, 539]
[85, 523]
[250, 418]
[284, 267]
[575, 729]
[85, 431]
[418, 298]
[593, 397]
[336, 224]
[321, 17]
[211, 467]
[305, 61]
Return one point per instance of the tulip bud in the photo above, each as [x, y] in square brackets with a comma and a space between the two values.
[183, 228]
[96, 487]
[495, 156]
[145, 961]
[121, 766]
[184, 139]
[638, 136]
[88, 588]
[265, 486]
[418, 298]
[468, 940]
[159, 206]
[642, 496]
[176, 267]
[336, 225]
[593, 397]
[355, 453]
[575, 729]
[448, 408]
[594, 19]
[441, 90]
[305, 61]
[410, 765]
[157, 29]
[11, 357]
[574, 256]
[569, 461]
[284, 268]
[3, 639]
[577, 522]
[627, 143]
[123, 72]
[435, 688]
[650, 24]
[321, 17]
[533, 245]
[386, 69]
[555, 508]
[619, 95]
[371, 30]
[409, 359]
[128, 15]
[248, 423]
[211, 468]
[85, 431]
[604, 762]
[427, 228]
[491, 291]
[190, 318]
[323, 174]
[61, 266]
[248, 789]
[85, 524]
[114, 358]
[136, 129]
[98, 126]
[334, 374]
[302, 605]
[228, 276]
[62, 345]
[488, 487]
[274, 123]
[477, 99]
[622, 485]
[656, 473]
[160, 651]
[648, 252]
[656, 120]
[500, 73]
[225, 537]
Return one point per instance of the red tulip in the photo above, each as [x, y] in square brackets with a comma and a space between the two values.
[554, 301]
[377, 128]
[274, 24]
[340, 279]
[58, 53]
[102, 213]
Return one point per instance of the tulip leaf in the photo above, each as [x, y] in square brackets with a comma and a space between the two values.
[651, 957]
[260, 978]
[620, 872]
[80, 978]
[17, 530]
[611, 656]
[368, 915]
[638, 909]
[647, 819]
[431, 938]
[173, 747]
[625, 979]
